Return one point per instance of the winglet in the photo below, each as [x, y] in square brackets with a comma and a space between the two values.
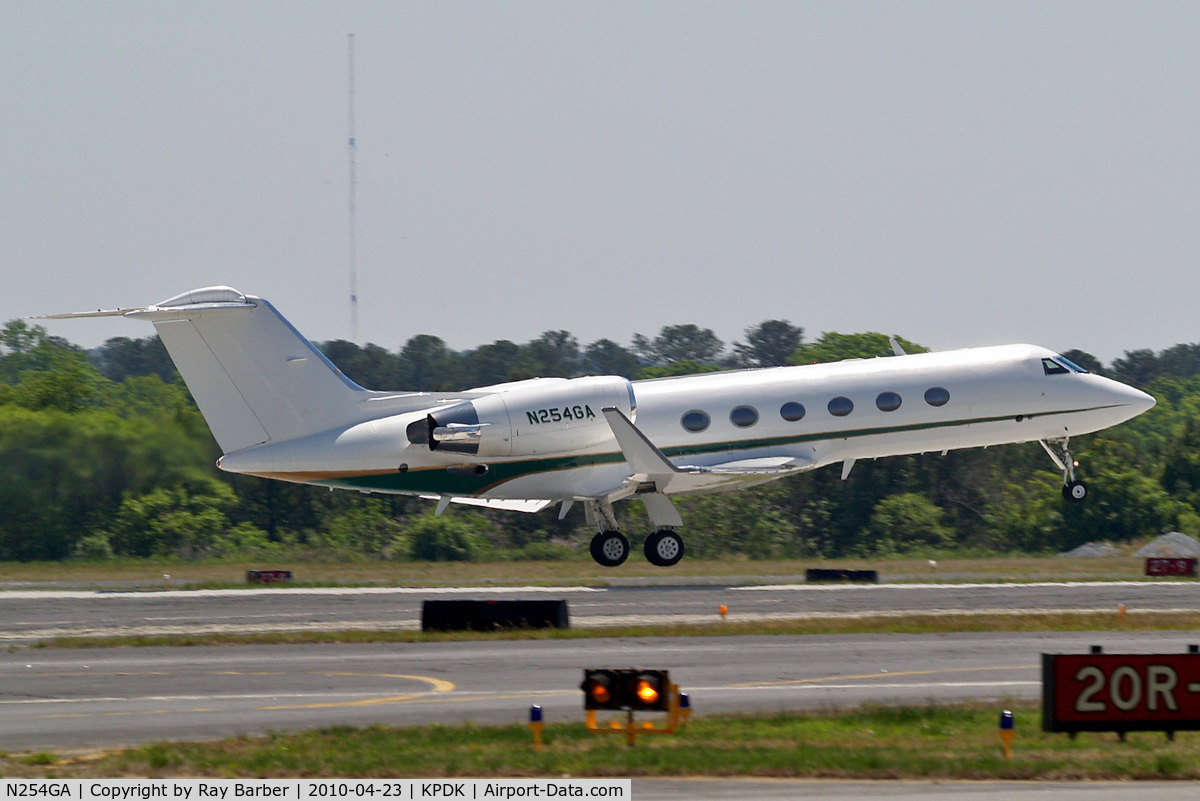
[640, 453]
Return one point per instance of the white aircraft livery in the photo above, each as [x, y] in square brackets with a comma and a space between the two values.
[279, 409]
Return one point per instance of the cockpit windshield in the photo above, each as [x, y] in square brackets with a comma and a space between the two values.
[1058, 365]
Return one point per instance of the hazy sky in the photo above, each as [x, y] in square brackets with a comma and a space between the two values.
[959, 173]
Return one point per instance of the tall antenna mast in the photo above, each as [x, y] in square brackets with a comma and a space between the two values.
[353, 152]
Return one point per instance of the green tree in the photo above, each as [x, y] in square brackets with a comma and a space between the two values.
[835, 347]
[751, 522]
[1138, 367]
[370, 366]
[63, 475]
[444, 538]
[427, 364]
[679, 343]
[771, 343]
[555, 353]
[1181, 467]
[498, 363]
[120, 358]
[685, 367]
[605, 357]
[908, 521]
[175, 521]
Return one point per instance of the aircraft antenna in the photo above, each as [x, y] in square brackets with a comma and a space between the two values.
[352, 151]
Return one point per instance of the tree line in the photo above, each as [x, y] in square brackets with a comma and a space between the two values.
[103, 454]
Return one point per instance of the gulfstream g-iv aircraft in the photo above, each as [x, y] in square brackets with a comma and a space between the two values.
[279, 409]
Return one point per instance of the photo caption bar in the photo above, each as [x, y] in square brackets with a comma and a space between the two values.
[312, 789]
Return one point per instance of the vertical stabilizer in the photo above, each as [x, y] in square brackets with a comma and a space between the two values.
[253, 375]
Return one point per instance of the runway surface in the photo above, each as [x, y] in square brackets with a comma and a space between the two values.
[75, 699]
[59, 699]
[32, 615]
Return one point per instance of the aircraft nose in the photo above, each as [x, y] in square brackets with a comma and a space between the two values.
[1144, 401]
[1134, 398]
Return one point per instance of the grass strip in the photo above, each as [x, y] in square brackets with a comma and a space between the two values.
[931, 742]
[910, 624]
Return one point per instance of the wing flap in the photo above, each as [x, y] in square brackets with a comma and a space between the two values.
[648, 463]
[502, 504]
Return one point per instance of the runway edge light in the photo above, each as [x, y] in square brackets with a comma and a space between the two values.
[536, 725]
[1007, 732]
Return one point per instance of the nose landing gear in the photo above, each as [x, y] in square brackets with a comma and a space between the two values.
[1057, 449]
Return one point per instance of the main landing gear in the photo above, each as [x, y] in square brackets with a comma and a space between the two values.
[1073, 491]
[663, 548]
[610, 547]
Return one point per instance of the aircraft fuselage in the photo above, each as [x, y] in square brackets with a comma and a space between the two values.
[817, 414]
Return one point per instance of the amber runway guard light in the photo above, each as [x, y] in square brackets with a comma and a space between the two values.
[600, 689]
[629, 691]
[649, 690]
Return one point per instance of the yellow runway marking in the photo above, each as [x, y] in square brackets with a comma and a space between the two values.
[123, 714]
[397, 699]
[882, 675]
[439, 686]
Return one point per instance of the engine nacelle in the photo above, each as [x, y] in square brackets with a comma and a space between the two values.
[541, 419]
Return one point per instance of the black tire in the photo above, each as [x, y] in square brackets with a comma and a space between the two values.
[610, 548]
[663, 548]
[1075, 491]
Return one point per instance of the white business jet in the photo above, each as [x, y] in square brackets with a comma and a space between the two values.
[279, 409]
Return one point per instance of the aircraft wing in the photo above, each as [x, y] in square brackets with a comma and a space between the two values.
[503, 504]
[648, 463]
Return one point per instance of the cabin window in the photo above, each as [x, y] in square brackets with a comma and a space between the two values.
[695, 421]
[888, 401]
[937, 396]
[744, 416]
[792, 411]
[840, 406]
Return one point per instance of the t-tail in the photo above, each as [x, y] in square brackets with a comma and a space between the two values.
[255, 378]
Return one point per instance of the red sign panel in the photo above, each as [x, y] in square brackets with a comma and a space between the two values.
[1157, 566]
[268, 576]
[1120, 692]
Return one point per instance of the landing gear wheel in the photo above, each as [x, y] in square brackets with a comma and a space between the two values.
[610, 548]
[1075, 491]
[664, 548]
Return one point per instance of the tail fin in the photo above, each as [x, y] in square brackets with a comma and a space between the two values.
[253, 375]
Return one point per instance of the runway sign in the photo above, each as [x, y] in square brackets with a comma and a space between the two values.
[268, 576]
[1120, 692]
[1158, 566]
